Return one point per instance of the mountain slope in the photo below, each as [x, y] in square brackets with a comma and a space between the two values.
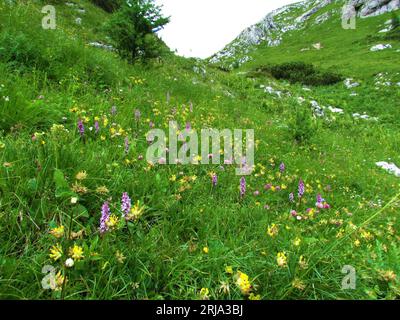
[293, 29]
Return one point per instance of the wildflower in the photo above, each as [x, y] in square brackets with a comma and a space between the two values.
[321, 203]
[59, 281]
[126, 142]
[268, 186]
[301, 188]
[298, 284]
[56, 252]
[303, 264]
[137, 114]
[204, 292]
[105, 215]
[273, 230]
[387, 275]
[81, 128]
[97, 127]
[291, 197]
[102, 190]
[78, 188]
[296, 242]
[214, 179]
[242, 281]
[112, 221]
[252, 296]
[69, 263]
[57, 232]
[281, 259]
[282, 167]
[74, 200]
[81, 175]
[125, 204]
[120, 257]
[136, 211]
[205, 250]
[76, 252]
[229, 270]
[256, 193]
[224, 287]
[113, 110]
[242, 186]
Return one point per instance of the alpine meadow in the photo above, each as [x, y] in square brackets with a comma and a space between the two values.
[267, 171]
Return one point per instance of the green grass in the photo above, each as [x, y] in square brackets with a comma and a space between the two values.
[66, 80]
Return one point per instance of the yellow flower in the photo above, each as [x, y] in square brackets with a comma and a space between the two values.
[297, 242]
[229, 270]
[59, 281]
[112, 221]
[273, 230]
[173, 178]
[298, 284]
[76, 252]
[242, 281]
[136, 212]
[120, 257]
[81, 175]
[57, 232]
[204, 292]
[102, 190]
[303, 262]
[281, 259]
[56, 252]
[387, 275]
[252, 296]
[205, 250]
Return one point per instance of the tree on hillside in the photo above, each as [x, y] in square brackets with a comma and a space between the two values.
[133, 28]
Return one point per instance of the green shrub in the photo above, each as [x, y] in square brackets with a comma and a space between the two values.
[108, 5]
[301, 127]
[133, 28]
[394, 33]
[300, 72]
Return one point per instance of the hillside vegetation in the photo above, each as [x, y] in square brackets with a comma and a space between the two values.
[73, 122]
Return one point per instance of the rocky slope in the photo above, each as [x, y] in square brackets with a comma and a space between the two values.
[295, 16]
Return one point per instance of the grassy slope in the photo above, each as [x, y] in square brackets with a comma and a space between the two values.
[164, 249]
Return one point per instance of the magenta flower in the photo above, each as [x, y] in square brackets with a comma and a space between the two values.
[242, 186]
[105, 215]
[137, 114]
[301, 188]
[214, 179]
[81, 128]
[126, 142]
[97, 127]
[126, 204]
[282, 167]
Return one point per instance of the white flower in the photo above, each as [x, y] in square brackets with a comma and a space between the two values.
[69, 263]
[74, 200]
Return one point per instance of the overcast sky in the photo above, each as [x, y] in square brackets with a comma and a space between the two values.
[200, 28]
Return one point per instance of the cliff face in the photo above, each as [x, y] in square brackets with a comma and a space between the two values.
[293, 17]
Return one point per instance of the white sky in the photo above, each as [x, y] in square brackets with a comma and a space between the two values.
[200, 28]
